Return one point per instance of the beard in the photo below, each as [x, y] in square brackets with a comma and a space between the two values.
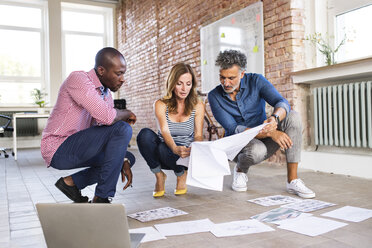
[230, 89]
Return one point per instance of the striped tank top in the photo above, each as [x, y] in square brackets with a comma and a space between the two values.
[181, 132]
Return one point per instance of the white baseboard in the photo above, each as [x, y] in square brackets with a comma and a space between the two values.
[344, 164]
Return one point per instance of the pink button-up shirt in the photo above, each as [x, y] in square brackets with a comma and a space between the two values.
[81, 104]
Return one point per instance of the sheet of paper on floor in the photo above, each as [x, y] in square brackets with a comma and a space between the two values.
[151, 234]
[279, 214]
[349, 213]
[208, 161]
[241, 227]
[274, 200]
[308, 205]
[185, 227]
[157, 214]
[311, 226]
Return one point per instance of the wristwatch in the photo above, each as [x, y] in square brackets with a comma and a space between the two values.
[276, 118]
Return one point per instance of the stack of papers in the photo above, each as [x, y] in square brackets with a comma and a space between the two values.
[308, 205]
[278, 214]
[156, 214]
[185, 227]
[239, 228]
[311, 226]
[208, 161]
[150, 234]
[274, 200]
[349, 213]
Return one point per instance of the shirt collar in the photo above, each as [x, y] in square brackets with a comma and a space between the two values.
[92, 74]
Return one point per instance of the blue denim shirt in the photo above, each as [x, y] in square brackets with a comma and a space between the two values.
[249, 108]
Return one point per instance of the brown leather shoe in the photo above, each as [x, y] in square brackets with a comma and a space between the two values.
[72, 192]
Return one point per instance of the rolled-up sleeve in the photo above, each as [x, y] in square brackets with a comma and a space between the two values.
[84, 93]
[271, 94]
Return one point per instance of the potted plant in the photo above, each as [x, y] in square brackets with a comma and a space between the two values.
[39, 99]
[324, 46]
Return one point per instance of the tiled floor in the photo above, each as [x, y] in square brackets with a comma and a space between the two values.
[28, 181]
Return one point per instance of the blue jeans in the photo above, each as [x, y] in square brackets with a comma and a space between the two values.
[157, 154]
[102, 150]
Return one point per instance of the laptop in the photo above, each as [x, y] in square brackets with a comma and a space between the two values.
[83, 225]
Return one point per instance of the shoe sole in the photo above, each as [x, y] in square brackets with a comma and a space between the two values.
[306, 196]
[239, 189]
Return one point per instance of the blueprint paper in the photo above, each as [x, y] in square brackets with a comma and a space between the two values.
[274, 200]
[278, 214]
[185, 227]
[208, 161]
[157, 214]
[241, 227]
[308, 205]
[311, 226]
[151, 234]
[349, 213]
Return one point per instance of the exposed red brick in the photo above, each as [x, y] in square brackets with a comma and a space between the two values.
[154, 35]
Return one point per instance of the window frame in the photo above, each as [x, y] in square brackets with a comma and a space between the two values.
[44, 48]
[339, 7]
[107, 35]
[52, 52]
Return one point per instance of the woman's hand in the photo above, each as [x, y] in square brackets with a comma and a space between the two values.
[182, 151]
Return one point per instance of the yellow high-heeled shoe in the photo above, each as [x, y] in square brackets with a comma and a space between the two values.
[180, 191]
[158, 193]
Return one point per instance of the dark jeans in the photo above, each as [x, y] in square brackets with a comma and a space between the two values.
[157, 154]
[102, 150]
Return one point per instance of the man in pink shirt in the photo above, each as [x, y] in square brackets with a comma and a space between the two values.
[85, 130]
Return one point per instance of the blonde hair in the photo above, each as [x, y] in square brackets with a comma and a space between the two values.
[170, 99]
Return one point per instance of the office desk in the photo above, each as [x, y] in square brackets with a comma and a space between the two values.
[23, 116]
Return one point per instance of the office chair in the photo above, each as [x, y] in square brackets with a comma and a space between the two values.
[3, 129]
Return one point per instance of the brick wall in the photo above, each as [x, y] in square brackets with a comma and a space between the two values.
[154, 35]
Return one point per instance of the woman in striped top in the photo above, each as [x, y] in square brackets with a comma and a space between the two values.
[179, 116]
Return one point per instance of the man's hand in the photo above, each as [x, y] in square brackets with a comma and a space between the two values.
[268, 129]
[126, 172]
[182, 151]
[271, 125]
[282, 139]
[125, 115]
[132, 119]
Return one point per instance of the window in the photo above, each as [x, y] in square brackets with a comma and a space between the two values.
[29, 28]
[22, 51]
[355, 26]
[85, 30]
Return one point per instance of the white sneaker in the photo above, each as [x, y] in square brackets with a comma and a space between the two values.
[239, 181]
[298, 187]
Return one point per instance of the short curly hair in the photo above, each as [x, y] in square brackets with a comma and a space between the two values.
[228, 58]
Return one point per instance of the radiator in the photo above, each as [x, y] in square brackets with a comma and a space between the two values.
[25, 127]
[343, 115]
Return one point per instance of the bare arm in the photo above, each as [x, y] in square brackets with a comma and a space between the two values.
[199, 121]
[160, 109]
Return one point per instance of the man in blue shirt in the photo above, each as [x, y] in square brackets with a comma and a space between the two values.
[238, 104]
